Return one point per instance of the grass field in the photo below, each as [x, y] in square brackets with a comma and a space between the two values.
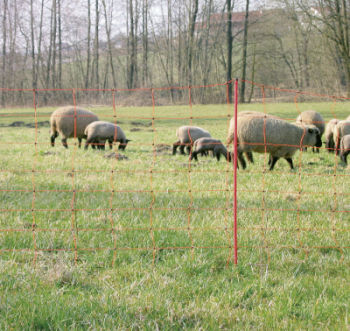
[89, 242]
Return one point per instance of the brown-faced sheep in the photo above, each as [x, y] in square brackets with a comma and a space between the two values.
[100, 131]
[329, 140]
[70, 122]
[312, 117]
[203, 145]
[345, 148]
[187, 135]
[340, 130]
[277, 137]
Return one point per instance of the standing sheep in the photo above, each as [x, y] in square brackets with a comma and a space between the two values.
[100, 131]
[278, 137]
[312, 117]
[203, 145]
[187, 135]
[329, 141]
[345, 148]
[70, 122]
[231, 130]
[339, 131]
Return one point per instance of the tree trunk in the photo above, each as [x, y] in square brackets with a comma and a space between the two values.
[192, 25]
[88, 60]
[59, 45]
[96, 55]
[108, 33]
[229, 48]
[4, 34]
[244, 57]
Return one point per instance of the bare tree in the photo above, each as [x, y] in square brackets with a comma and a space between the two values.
[88, 60]
[229, 40]
[244, 56]
[4, 35]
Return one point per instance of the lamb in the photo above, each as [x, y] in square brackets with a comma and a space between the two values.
[345, 148]
[312, 117]
[70, 122]
[205, 144]
[100, 131]
[339, 131]
[281, 139]
[329, 141]
[187, 135]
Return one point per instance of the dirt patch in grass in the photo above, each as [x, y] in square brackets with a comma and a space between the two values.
[135, 129]
[137, 123]
[21, 124]
[116, 156]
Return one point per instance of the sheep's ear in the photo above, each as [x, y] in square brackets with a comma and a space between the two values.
[310, 130]
[127, 140]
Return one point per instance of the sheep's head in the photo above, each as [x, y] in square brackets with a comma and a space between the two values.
[123, 145]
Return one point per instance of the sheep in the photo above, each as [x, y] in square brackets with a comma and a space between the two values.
[100, 131]
[187, 135]
[252, 113]
[312, 117]
[278, 137]
[70, 122]
[329, 141]
[209, 144]
[339, 131]
[345, 148]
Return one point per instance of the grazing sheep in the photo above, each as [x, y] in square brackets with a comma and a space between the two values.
[70, 122]
[312, 117]
[252, 113]
[187, 135]
[202, 145]
[329, 142]
[339, 131]
[345, 148]
[278, 137]
[100, 131]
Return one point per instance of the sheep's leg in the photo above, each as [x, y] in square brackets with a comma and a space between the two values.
[290, 162]
[110, 142]
[270, 160]
[217, 154]
[273, 162]
[88, 141]
[64, 142]
[249, 156]
[189, 149]
[53, 138]
[194, 156]
[175, 146]
[182, 149]
[242, 160]
[344, 156]
[79, 142]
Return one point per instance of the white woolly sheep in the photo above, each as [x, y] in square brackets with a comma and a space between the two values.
[329, 140]
[312, 117]
[345, 148]
[70, 122]
[203, 145]
[340, 130]
[278, 137]
[187, 135]
[100, 131]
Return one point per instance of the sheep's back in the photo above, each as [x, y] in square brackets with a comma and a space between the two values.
[341, 129]
[188, 134]
[104, 129]
[281, 138]
[312, 117]
[64, 118]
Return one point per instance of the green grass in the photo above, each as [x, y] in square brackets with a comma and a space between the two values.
[153, 255]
